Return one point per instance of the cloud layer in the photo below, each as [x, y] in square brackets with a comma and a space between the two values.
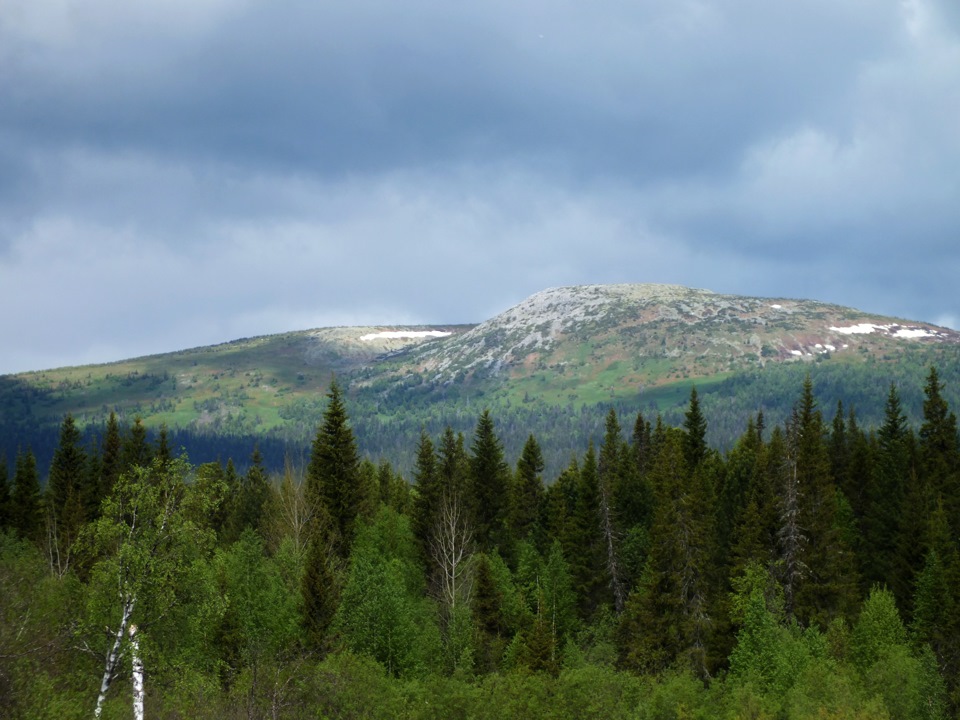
[193, 172]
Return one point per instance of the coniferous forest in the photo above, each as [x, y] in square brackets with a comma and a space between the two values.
[811, 571]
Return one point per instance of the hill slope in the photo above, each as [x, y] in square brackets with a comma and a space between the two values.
[548, 358]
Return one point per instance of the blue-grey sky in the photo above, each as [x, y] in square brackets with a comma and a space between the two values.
[180, 173]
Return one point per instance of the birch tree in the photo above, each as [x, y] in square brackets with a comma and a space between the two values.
[143, 546]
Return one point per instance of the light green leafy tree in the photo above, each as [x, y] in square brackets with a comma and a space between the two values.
[149, 577]
[383, 612]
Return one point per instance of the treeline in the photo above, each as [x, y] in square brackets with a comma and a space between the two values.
[812, 570]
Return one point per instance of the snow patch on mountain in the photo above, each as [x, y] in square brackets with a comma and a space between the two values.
[404, 334]
[909, 333]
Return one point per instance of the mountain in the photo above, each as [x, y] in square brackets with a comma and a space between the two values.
[544, 363]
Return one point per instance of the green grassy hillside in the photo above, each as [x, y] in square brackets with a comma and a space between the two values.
[544, 364]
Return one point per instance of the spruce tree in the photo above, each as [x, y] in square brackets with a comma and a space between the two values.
[755, 536]
[429, 493]
[611, 471]
[667, 617]
[163, 453]
[588, 561]
[136, 448]
[695, 426]
[321, 582]
[940, 448]
[486, 603]
[333, 475]
[528, 494]
[936, 604]
[68, 496]
[111, 462]
[828, 588]
[633, 496]
[26, 514]
[489, 487]
[741, 467]
[66, 483]
[249, 507]
[883, 502]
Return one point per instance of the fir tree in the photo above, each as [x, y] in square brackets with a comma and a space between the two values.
[610, 476]
[489, 486]
[320, 584]
[588, 557]
[252, 495]
[111, 462]
[136, 449]
[828, 589]
[488, 616]
[940, 448]
[67, 472]
[667, 616]
[68, 496]
[453, 464]
[333, 475]
[528, 493]
[633, 496]
[163, 453]
[26, 515]
[695, 426]
[883, 502]
[936, 605]
[429, 493]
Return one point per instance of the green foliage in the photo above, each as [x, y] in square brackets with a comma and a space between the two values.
[282, 617]
[261, 620]
[382, 612]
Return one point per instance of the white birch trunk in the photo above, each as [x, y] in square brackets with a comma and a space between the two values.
[113, 657]
[137, 663]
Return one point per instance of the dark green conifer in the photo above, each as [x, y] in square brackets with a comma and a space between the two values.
[163, 452]
[486, 604]
[633, 496]
[489, 487]
[828, 586]
[695, 426]
[252, 494]
[528, 493]
[26, 514]
[321, 584]
[560, 500]
[136, 449]
[111, 457]
[940, 448]
[936, 604]
[453, 463]
[667, 616]
[429, 493]
[588, 559]
[69, 495]
[66, 483]
[611, 477]
[333, 475]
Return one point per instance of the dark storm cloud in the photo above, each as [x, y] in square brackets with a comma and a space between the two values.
[213, 168]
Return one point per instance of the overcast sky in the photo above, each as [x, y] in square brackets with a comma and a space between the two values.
[185, 172]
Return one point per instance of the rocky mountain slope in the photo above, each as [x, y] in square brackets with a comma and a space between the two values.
[639, 346]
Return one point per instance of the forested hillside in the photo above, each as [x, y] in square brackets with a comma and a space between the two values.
[551, 365]
[812, 569]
